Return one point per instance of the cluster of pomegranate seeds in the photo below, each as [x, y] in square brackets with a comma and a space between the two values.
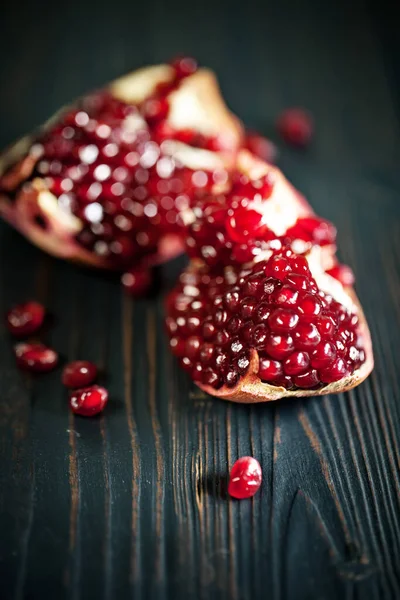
[245, 478]
[88, 401]
[230, 228]
[78, 373]
[25, 319]
[296, 126]
[304, 338]
[35, 357]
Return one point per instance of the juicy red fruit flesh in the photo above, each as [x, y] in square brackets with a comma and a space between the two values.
[88, 401]
[25, 319]
[78, 374]
[303, 337]
[245, 478]
[36, 358]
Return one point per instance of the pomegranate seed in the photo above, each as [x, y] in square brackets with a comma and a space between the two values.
[261, 147]
[184, 66]
[36, 358]
[137, 282]
[88, 401]
[282, 320]
[337, 370]
[269, 370]
[310, 305]
[297, 363]
[25, 319]
[323, 355]
[306, 336]
[245, 478]
[244, 223]
[342, 273]
[307, 380]
[296, 126]
[279, 346]
[277, 267]
[79, 373]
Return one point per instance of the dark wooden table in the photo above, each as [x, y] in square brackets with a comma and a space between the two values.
[132, 504]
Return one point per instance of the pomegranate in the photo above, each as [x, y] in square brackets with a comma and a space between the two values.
[245, 478]
[268, 330]
[296, 126]
[342, 273]
[88, 401]
[36, 358]
[108, 180]
[78, 374]
[25, 319]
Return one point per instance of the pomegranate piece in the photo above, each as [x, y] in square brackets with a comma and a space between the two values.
[78, 374]
[296, 126]
[261, 147]
[88, 401]
[245, 478]
[109, 181]
[36, 358]
[25, 319]
[265, 331]
[137, 282]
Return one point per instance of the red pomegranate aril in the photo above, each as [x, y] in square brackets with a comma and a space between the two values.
[209, 330]
[306, 336]
[323, 355]
[177, 346]
[277, 267]
[310, 305]
[192, 347]
[282, 320]
[206, 353]
[25, 319]
[234, 325]
[287, 296]
[335, 371]
[36, 358]
[307, 380]
[300, 265]
[210, 377]
[88, 401]
[197, 372]
[279, 346]
[296, 363]
[326, 326]
[244, 223]
[231, 300]
[269, 370]
[296, 126]
[231, 378]
[261, 147]
[184, 66]
[137, 282]
[260, 335]
[78, 374]
[242, 363]
[342, 273]
[247, 307]
[245, 478]
[300, 282]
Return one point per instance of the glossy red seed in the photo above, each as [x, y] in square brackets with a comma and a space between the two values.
[326, 326]
[245, 478]
[261, 147]
[306, 336]
[192, 347]
[283, 320]
[297, 363]
[137, 282]
[296, 126]
[244, 223]
[279, 346]
[25, 319]
[335, 371]
[307, 380]
[231, 378]
[88, 401]
[287, 296]
[277, 267]
[269, 370]
[323, 355]
[36, 358]
[78, 374]
[210, 377]
[342, 273]
[310, 305]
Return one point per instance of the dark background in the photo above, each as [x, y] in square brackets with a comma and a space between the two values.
[132, 504]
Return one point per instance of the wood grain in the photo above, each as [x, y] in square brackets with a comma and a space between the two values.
[133, 504]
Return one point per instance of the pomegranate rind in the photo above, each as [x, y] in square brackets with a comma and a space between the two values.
[250, 389]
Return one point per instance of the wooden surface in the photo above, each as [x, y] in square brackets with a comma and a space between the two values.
[132, 504]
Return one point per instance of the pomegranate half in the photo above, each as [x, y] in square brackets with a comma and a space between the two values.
[105, 181]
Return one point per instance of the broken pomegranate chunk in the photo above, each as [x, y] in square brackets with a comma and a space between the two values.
[269, 323]
[88, 401]
[25, 319]
[245, 478]
[36, 358]
[78, 374]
